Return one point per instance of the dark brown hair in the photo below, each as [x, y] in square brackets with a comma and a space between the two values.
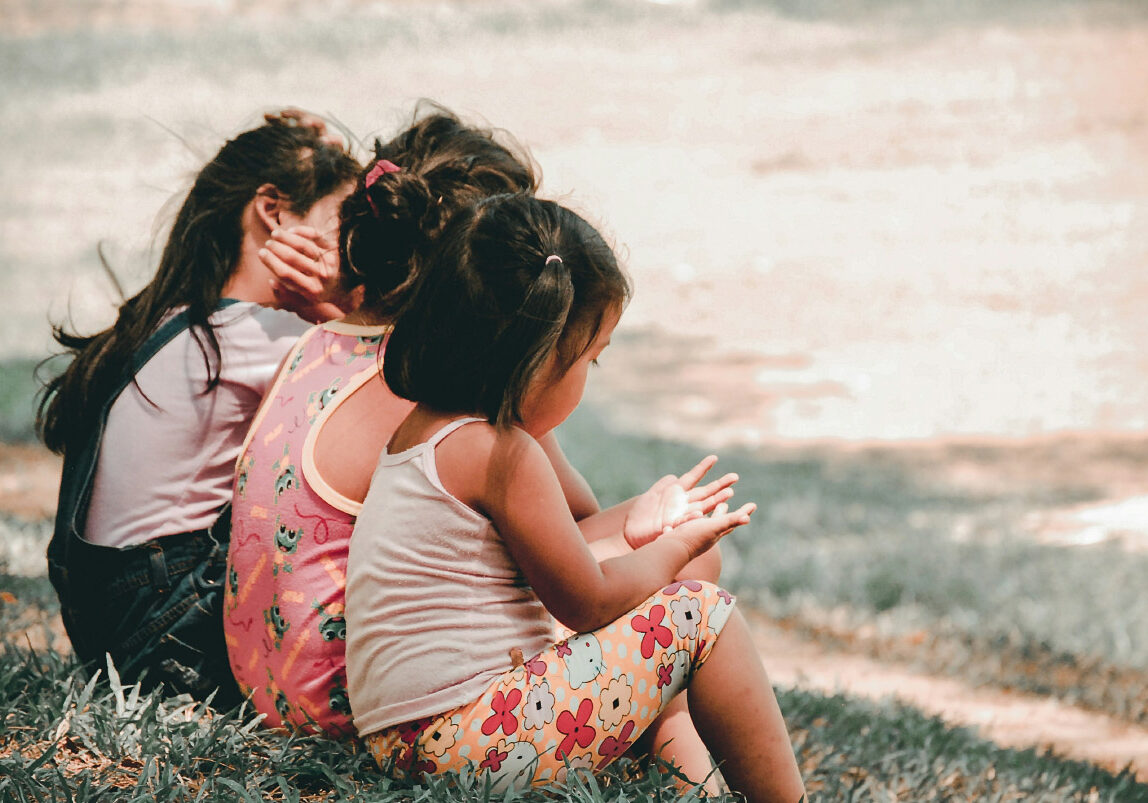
[491, 305]
[444, 165]
[200, 255]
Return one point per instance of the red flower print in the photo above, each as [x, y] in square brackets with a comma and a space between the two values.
[536, 666]
[503, 717]
[612, 747]
[652, 629]
[674, 588]
[407, 763]
[576, 728]
[726, 597]
[409, 731]
[563, 649]
[493, 760]
[665, 675]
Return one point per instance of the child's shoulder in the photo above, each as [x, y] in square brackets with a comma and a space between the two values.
[480, 445]
[479, 438]
[473, 459]
[450, 432]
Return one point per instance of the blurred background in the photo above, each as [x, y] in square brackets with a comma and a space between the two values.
[889, 260]
[857, 219]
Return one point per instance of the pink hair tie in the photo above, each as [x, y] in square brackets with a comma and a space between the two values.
[381, 168]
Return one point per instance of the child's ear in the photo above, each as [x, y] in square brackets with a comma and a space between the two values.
[268, 204]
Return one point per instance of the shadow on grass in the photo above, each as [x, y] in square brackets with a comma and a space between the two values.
[932, 544]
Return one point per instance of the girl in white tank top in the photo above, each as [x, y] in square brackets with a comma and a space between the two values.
[465, 542]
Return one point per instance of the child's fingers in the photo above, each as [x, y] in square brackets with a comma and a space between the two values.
[702, 533]
[731, 521]
[304, 240]
[710, 503]
[304, 256]
[711, 488]
[289, 276]
[695, 474]
[326, 240]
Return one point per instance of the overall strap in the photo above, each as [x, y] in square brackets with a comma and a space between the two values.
[160, 338]
[80, 465]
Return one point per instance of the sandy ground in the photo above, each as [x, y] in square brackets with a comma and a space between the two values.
[1008, 718]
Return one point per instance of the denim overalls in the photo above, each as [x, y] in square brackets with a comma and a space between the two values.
[156, 607]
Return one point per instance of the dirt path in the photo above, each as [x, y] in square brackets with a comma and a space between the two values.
[1010, 719]
[29, 476]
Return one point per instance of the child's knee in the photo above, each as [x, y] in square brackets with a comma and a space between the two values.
[685, 615]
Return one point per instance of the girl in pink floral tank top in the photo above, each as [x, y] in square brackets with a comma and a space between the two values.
[283, 606]
[329, 410]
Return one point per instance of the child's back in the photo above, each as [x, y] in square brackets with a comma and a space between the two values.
[437, 561]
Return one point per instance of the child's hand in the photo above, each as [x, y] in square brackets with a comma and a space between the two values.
[675, 500]
[698, 535]
[305, 272]
[297, 117]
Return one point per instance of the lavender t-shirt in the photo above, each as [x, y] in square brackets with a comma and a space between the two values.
[166, 467]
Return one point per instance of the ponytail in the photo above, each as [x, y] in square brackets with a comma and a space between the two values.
[512, 285]
[539, 322]
[383, 225]
[403, 200]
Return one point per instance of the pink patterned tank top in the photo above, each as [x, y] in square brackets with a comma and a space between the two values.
[286, 575]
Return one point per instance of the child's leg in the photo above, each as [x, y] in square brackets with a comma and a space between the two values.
[734, 708]
[583, 701]
[672, 736]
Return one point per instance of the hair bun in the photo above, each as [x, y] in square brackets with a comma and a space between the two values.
[383, 226]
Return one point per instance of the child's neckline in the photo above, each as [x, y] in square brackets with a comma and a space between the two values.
[435, 438]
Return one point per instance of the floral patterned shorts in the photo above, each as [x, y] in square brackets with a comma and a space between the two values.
[580, 703]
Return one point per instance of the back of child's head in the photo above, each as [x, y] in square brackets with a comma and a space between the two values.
[201, 253]
[408, 192]
[509, 281]
[207, 231]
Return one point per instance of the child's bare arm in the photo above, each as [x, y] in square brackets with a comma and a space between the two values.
[579, 496]
[512, 482]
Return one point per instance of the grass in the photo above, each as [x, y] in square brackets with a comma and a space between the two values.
[879, 550]
[854, 546]
[66, 738]
[18, 387]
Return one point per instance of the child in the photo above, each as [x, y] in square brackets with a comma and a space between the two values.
[305, 465]
[465, 546]
[150, 414]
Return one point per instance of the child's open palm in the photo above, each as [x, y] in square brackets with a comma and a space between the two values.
[673, 501]
[699, 534]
